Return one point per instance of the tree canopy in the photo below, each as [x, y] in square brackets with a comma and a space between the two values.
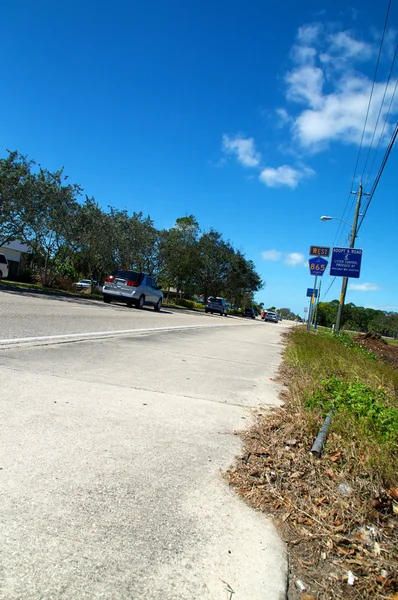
[71, 235]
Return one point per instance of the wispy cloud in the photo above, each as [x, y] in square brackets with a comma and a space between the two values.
[292, 259]
[331, 94]
[284, 176]
[363, 287]
[243, 148]
[272, 255]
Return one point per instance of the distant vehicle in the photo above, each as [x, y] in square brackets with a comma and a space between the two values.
[216, 305]
[85, 284]
[135, 289]
[4, 268]
[249, 313]
[271, 316]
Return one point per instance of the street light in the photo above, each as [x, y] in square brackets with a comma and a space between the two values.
[354, 229]
[326, 218]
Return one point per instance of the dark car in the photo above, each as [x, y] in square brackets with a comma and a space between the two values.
[249, 313]
[216, 305]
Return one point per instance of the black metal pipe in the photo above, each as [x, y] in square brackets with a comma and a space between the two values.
[321, 437]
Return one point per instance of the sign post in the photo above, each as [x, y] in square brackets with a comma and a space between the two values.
[317, 266]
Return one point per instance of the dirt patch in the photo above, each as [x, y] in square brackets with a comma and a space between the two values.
[340, 526]
[375, 343]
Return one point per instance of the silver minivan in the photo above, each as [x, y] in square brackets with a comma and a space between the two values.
[135, 289]
[3, 266]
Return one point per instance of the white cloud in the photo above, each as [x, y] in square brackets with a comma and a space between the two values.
[343, 47]
[331, 95]
[309, 34]
[363, 287]
[243, 148]
[294, 259]
[273, 255]
[284, 176]
[303, 54]
[284, 117]
[304, 85]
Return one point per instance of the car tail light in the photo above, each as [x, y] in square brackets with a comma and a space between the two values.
[132, 283]
[110, 279]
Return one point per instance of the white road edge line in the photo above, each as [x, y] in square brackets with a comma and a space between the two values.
[92, 334]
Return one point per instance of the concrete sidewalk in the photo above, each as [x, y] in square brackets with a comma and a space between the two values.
[112, 452]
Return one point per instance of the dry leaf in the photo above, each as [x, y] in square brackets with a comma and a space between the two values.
[377, 549]
[395, 509]
[331, 473]
[393, 491]
[335, 457]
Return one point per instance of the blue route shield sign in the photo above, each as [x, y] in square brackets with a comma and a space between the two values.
[317, 265]
[346, 262]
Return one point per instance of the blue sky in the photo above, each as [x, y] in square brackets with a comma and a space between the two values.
[247, 115]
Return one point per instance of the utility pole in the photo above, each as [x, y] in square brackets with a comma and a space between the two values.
[352, 244]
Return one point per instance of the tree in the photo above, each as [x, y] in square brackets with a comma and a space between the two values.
[16, 192]
[93, 255]
[179, 251]
[214, 256]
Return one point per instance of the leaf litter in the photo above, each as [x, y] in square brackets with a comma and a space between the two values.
[339, 523]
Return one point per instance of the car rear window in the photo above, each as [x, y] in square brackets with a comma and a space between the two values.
[130, 275]
[3, 259]
[216, 300]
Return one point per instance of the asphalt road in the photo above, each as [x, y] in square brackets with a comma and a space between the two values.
[112, 453]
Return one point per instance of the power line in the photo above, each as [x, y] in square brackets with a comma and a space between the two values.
[380, 109]
[382, 131]
[367, 114]
[379, 174]
[327, 291]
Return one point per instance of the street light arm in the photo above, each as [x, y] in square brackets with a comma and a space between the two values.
[327, 218]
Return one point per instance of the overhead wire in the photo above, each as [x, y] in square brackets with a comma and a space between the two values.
[378, 116]
[366, 117]
[379, 174]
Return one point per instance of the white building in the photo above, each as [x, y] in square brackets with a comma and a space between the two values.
[15, 253]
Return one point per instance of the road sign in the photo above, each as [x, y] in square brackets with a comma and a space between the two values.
[319, 251]
[346, 262]
[317, 265]
[311, 292]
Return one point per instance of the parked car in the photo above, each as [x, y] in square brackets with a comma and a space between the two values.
[216, 305]
[3, 266]
[271, 316]
[249, 313]
[135, 289]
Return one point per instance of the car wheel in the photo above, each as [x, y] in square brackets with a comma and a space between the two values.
[141, 302]
[211, 312]
[107, 299]
[158, 305]
[225, 314]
